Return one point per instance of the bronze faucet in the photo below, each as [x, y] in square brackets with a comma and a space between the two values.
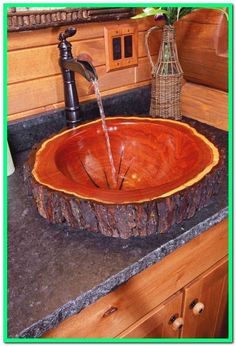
[69, 66]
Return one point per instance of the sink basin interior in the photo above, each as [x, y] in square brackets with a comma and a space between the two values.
[153, 158]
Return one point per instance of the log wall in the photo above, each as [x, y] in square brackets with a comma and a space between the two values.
[35, 83]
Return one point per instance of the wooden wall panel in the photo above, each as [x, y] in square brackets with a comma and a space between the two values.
[39, 38]
[50, 88]
[154, 43]
[220, 42]
[34, 93]
[33, 66]
[35, 83]
[198, 36]
[45, 37]
[37, 62]
[205, 104]
[143, 70]
[28, 64]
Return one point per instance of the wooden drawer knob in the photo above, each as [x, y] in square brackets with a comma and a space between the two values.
[177, 323]
[198, 308]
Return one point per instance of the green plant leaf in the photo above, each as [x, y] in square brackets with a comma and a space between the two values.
[151, 12]
[175, 13]
[149, 9]
[184, 11]
[178, 12]
[140, 15]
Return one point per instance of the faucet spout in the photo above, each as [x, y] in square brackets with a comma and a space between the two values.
[69, 65]
[83, 67]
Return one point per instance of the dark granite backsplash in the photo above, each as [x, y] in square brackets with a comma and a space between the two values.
[23, 134]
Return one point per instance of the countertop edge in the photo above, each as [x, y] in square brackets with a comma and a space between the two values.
[73, 307]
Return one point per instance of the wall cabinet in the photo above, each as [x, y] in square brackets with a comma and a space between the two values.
[184, 295]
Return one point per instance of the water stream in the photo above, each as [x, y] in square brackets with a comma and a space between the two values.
[105, 130]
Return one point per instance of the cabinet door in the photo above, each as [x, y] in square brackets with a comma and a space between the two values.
[205, 304]
[162, 322]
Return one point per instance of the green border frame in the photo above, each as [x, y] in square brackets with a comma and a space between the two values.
[230, 178]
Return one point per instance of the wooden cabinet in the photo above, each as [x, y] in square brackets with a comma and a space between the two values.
[162, 322]
[151, 303]
[205, 302]
[197, 311]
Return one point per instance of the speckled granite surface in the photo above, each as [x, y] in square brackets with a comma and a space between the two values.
[23, 134]
[54, 273]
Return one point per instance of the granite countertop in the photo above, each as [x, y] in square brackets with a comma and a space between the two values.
[54, 272]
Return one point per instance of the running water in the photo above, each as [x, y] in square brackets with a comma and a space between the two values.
[105, 130]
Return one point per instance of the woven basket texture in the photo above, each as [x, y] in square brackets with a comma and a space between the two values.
[167, 76]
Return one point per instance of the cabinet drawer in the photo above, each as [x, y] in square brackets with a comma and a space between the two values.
[118, 310]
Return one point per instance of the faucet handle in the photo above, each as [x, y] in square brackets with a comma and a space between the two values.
[69, 32]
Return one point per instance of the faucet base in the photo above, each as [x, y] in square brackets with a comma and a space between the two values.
[72, 117]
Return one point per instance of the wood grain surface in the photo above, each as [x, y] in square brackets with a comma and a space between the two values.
[156, 324]
[33, 61]
[205, 104]
[211, 290]
[147, 290]
[200, 52]
[163, 178]
[154, 158]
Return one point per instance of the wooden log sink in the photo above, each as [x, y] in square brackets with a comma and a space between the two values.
[165, 172]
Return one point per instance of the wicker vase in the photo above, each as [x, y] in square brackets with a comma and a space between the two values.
[167, 76]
